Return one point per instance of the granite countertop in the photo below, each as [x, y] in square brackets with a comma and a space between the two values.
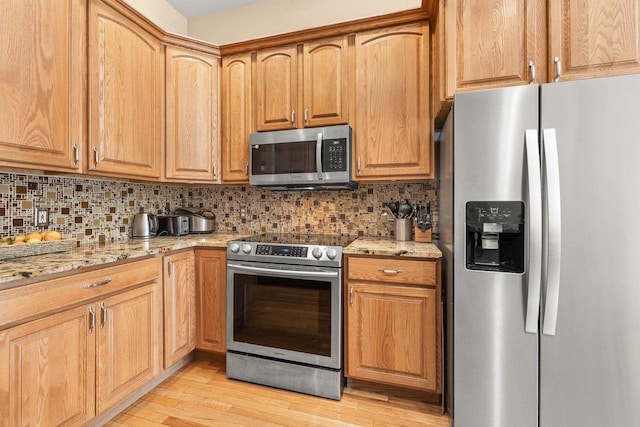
[19, 271]
[391, 247]
[97, 254]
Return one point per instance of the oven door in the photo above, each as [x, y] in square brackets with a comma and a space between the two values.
[285, 312]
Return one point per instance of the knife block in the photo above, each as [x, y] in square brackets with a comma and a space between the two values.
[422, 236]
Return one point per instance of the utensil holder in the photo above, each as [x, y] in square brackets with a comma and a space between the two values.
[403, 228]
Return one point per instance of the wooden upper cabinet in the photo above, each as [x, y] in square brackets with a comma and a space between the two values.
[325, 84]
[392, 130]
[125, 99]
[276, 86]
[42, 84]
[236, 117]
[490, 44]
[594, 38]
[192, 141]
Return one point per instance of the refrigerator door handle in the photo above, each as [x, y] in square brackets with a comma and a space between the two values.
[535, 230]
[552, 184]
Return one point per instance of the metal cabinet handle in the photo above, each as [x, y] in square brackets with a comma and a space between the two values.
[293, 118]
[246, 169]
[76, 152]
[535, 231]
[213, 169]
[358, 164]
[532, 72]
[92, 319]
[557, 62]
[170, 265]
[351, 295]
[390, 272]
[95, 285]
[95, 157]
[306, 116]
[104, 314]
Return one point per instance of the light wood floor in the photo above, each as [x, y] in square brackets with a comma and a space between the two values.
[201, 395]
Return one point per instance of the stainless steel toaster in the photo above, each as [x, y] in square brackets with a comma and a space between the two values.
[173, 225]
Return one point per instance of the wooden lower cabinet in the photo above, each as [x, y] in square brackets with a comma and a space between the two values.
[392, 333]
[68, 367]
[128, 344]
[48, 371]
[179, 306]
[211, 297]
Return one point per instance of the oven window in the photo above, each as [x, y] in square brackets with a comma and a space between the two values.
[284, 158]
[290, 314]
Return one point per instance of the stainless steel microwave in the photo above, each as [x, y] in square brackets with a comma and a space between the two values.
[302, 159]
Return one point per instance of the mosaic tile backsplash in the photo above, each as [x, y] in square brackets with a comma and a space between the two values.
[92, 210]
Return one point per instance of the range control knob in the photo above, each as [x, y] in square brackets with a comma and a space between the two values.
[246, 248]
[234, 247]
[317, 253]
[331, 253]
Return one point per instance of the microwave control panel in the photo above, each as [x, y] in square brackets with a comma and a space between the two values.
[334, 155]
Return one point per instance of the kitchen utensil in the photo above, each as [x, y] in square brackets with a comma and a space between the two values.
[388, 212]
[145, 226]
[404, 209]
[394, 207]
[403, 228]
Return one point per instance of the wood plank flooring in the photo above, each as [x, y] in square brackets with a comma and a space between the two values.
[201, 395]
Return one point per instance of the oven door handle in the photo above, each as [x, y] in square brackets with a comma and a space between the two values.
[292, 273]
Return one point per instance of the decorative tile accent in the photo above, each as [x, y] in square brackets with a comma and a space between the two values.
[95, 210]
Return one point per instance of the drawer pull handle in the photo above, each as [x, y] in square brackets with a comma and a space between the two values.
[95, 285]
[390, 272]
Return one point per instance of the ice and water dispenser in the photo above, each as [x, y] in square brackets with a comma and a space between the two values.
[495, 236]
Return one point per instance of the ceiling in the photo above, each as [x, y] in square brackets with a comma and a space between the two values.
[196, 8]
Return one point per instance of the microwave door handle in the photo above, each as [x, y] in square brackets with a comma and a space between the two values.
[319, 155]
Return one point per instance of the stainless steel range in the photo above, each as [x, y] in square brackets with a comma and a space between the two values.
[284, 312]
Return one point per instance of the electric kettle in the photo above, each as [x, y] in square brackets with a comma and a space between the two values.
[145, 226]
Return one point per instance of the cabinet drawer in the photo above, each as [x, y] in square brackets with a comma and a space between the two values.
[392, 270]
[28, 302]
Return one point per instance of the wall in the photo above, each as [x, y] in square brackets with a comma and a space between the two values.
[94, 210]
[271, 17]
[162, 14]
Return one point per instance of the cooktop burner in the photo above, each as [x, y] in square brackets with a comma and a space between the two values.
[301, 239]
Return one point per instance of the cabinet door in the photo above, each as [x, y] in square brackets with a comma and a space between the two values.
[211, 273]
[192, 147]
[236, 117]
[125, 100]
[47, 371]
[392, 133]
[276, 85]
[594, 38]
[391, 334]
[490, 43]
[179, 307]
[42, 83]
[326, 67]
[128, 346]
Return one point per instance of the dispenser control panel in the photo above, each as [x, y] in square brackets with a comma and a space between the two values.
[495, 235]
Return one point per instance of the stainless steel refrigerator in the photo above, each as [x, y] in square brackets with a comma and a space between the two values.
[540, 233]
